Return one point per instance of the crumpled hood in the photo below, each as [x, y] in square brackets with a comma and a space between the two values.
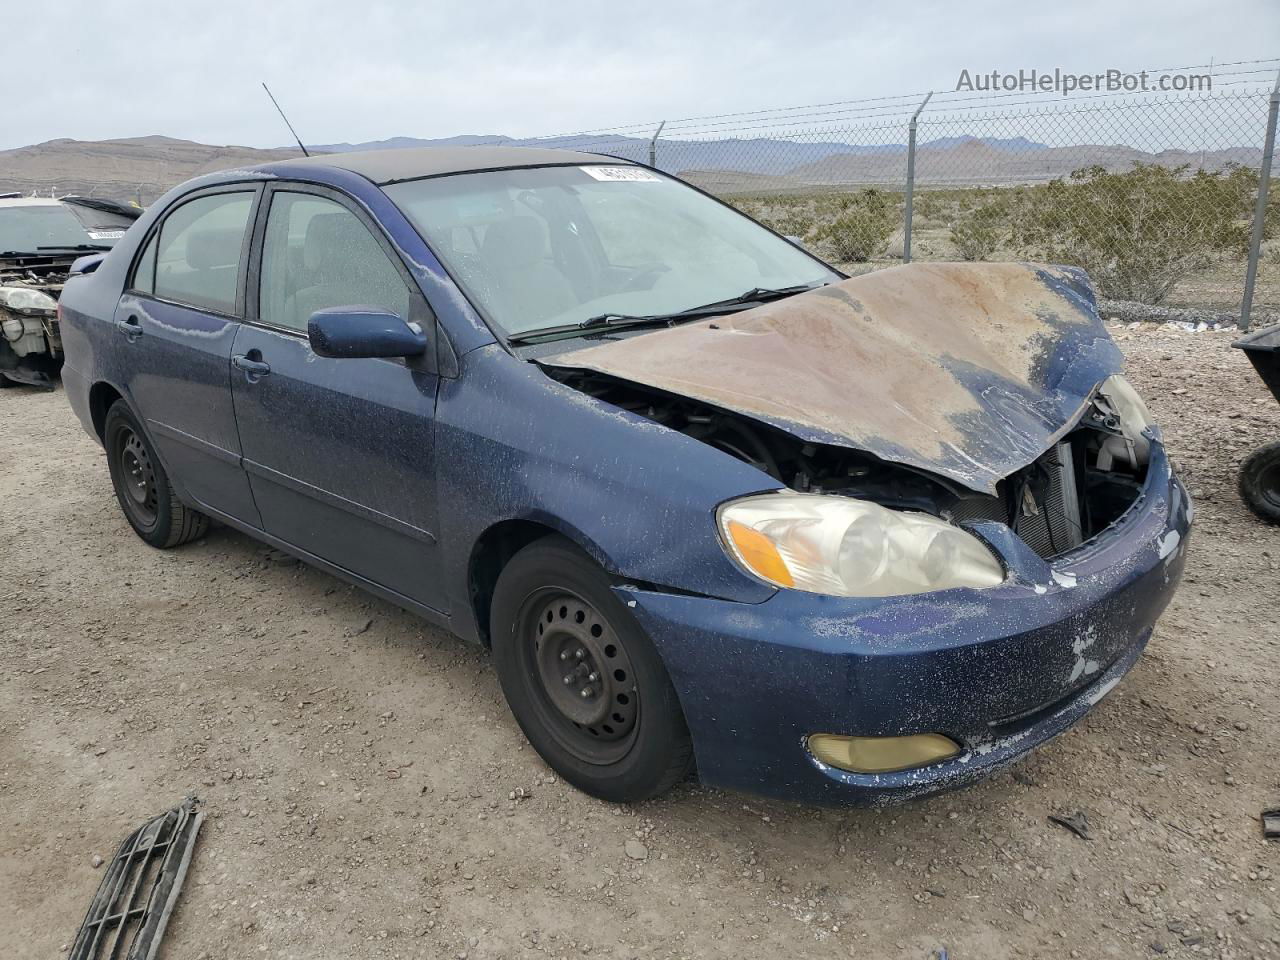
[968, 371]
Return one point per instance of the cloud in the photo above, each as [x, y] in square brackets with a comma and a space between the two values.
[369, 70]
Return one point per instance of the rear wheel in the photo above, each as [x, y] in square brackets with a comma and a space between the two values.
[582, 679]
[1260, 482]
[142, 487]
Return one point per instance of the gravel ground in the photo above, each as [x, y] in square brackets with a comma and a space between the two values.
[1129, 311]
[368, 795]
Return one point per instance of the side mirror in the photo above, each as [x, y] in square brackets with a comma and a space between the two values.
[346, 332]
[82, 265]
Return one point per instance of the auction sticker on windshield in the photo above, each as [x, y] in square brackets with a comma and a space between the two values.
[621, 173]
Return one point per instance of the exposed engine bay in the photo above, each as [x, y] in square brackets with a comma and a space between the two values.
[30, 341]
[40, 238]
[969, 392]
[1073, 492]
[964, 371]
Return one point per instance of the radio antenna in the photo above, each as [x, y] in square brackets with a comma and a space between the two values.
[286, 120]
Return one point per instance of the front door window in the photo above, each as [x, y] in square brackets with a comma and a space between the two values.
[318, 254]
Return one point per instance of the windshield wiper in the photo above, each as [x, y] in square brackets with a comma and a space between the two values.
[630, 321]
[78, 246]
[765, 294]
[576, 329]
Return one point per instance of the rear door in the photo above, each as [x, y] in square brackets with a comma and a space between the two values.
[340, 454]
[174, 326]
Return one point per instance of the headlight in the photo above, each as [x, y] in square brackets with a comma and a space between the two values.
[1133, 413]
[852, 548]
[24, 298]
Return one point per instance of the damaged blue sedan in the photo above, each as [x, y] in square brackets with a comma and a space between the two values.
[709, 502]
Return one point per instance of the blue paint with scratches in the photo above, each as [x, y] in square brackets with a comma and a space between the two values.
[756, 669]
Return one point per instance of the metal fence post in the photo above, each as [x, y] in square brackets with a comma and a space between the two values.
[1260, 209]
[653, 145]
[911, 178]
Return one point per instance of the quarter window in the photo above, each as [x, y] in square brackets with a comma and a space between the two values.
[144, 276]
[317, 254]
[198, 256]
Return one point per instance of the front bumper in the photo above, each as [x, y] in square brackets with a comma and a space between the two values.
[1000, 670]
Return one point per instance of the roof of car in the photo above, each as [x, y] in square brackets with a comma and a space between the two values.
[413, 163]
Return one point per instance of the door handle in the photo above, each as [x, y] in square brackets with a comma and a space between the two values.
[252, 368]
[130, 327]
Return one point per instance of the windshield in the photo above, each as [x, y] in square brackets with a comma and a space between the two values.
[25, 228]
[548, 246]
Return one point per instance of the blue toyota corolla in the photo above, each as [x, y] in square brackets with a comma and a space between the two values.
[710, 502]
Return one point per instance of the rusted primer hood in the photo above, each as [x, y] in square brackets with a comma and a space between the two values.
[969, 371]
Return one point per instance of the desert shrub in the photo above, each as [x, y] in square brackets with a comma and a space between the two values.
[929, 206]
[752, 207]
[789, 216]
[861, 225]
[1139, 232]
[789, 222]
[981, 225]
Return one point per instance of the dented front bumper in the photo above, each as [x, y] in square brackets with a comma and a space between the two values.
[1000, 670]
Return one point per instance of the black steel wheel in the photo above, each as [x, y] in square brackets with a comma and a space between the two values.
[142, 487]
[137, 475]
[587, 687]
[582, 679]
[1260, 482]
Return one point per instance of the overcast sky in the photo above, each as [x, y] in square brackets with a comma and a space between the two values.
[369, 69]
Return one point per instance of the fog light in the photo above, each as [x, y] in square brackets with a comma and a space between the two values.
[882, 754]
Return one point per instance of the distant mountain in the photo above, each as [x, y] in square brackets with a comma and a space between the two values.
[136, 168]
[764, 155]
[1008, 144]
[142, 168]
[396, 143]
[967, 161]
[755, 156]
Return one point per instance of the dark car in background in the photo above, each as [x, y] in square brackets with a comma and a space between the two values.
[708, 501]
[39, 240]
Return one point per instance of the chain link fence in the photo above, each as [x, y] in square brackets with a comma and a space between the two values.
[1164, 198]
[1156, 195]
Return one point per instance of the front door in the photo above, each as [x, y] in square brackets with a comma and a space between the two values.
[340, 453]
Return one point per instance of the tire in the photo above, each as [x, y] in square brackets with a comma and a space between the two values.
[625, 742]
[142, 487]
[1260, 482]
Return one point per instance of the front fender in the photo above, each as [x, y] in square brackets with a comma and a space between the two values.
[515, 444]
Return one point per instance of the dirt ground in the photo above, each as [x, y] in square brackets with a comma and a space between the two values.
[368, 794]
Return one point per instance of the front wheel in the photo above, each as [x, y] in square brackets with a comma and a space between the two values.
[1260, 482]
[582, 679]
[142, 487]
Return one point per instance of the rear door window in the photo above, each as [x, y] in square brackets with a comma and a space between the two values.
[198, 256]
